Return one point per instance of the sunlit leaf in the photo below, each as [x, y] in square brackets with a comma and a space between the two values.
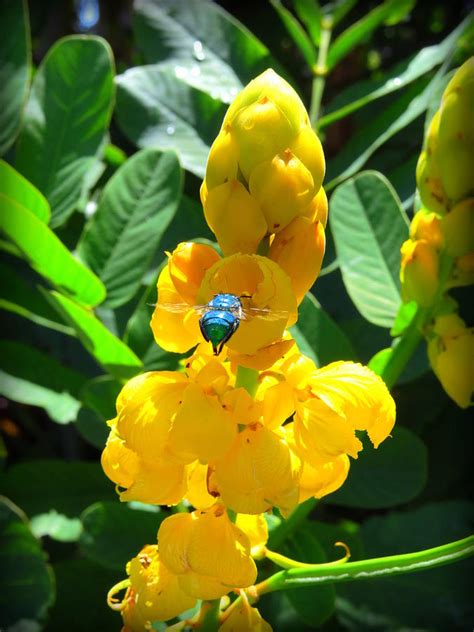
[15, 187]
[309, 12]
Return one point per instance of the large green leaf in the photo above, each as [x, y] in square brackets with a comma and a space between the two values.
[14, 186]
[114, 532]
[390, 10]
[369, 226]
[15, 59]
[403, 73]
[314, 604]
[40, 485]
[27, 300]
[27, 588]
[393, 474]
[157, 109]
[32, 377]
[109, 351]
[67, 115]
[208, 48]
[48, 256]
[440, 599]
[135, 209]
[318, 336]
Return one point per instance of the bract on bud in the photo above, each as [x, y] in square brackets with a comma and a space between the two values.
[419, 272]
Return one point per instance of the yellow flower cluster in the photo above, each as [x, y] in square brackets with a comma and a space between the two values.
[198, 435]
[440, 252]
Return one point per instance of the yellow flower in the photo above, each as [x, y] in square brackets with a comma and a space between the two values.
[244, 618]
[317, 210]
[154, 593]
[428, 227]
[419, 272]
[209, 554]
[256, 529]
[258, 472]
[451, 354]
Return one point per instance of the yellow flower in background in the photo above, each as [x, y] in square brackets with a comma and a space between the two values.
[451, 355]
[153, 594]
[209, 554]
[268, 300]
[244, 618]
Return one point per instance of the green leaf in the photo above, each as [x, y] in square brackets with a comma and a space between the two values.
[82, 587]
[309, 12]
[363, 92]
[134, 210]
[27, 588]
[393, 474]
[404, 318]
[113, 354]
[47, 255]
[369, 226]
[318, 336]
[32, 377]
[115, 532]
[206, 46]
[314, 604]
[358, 32]
[296, 32]
[67, 115]
[56, 526]
[14, 186]
[413, 600]
[339, 9]
[100, 394]
[91, 426]
[68, 488]
[15, 56]
[26, 300]
[157, 109]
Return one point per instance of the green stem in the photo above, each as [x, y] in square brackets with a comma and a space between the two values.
[210, 620]
[320, 70]
[369, 569]
[286, 527]
[248, 379]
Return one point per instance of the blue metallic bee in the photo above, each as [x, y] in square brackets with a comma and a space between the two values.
[221, 320]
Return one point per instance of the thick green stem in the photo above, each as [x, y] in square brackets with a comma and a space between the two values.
[320, 70]
[369, 569]
[248, 379]
[286, 527]
[210, 619]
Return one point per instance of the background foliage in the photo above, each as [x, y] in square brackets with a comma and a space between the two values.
[105, 126]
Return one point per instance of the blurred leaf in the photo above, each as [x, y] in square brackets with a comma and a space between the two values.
[100, 394]
[404, 317]
[15, 56]
[114, 532]
[68, 488]
[296, 32]
[188, 224]
[92, 427]
[400, 11]
[82, 588]
[369, 226]
[135, 209]
[109, 351]
[15, 187]
[309, 12]
[156, 109]
[393, 474]
[318, 336]
[361, 30]
[25, 299]
[56, 526]
[206, 46]
[315, 604]
[47, 255]
[67, 115]
[339, 9]
[440, 599]
[363, 92]
[31, 377]
[26, 581]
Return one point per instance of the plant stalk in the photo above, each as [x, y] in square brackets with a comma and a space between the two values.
[320, 70]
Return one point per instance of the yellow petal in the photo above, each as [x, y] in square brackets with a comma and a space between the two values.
[197, 492]
[202, 586]
[419, 272]
[157, 483]
[278, 404]
[264, 357]
[244, 618]
[235, 217]
[119, 463]
[319, 481]
[174, 535]
[255, 528]
[427, 226]
[358, 394]
[307, 147]
[174, 330]
[202, 429]
[243, 408]
[317, 210]
[222, 163]
[257, 473]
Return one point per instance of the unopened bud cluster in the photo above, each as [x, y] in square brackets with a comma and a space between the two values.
[440, 252]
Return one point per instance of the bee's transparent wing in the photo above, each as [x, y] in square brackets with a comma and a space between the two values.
[179, 308]
[264, 312]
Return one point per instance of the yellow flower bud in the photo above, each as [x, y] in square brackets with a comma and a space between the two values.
[427, 226]
[235, 217]
[154, 593]
[299, 250]
[283, 186]
[245, 619]
[419, 272]
[209, 554]
[428, 173]
[317, 210]
[458, 229]
[451, 354]
[222, 163]
[307, 147]
[259, 471]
